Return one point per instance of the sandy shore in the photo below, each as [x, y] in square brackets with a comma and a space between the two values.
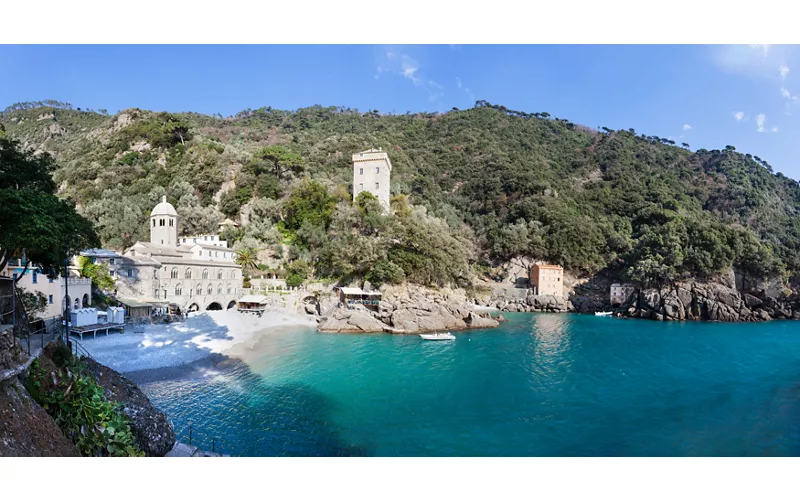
[189, 348]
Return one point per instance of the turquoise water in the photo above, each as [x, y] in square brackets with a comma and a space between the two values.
[540, 385]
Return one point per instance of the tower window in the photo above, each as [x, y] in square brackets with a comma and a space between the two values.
[171, 223]
[154, 223]
[377, 185]
[360, 171]
[377, 170]
[161, 222]
[361, 187]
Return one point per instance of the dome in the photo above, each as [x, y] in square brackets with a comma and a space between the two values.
[164, 208]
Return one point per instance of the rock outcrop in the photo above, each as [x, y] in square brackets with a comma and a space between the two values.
[26, 429]
[150, 427]
[524, 300]
[711, 301]
[409, 309]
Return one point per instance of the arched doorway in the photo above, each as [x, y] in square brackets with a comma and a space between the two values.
[77, 304]
[194, 307]
[85, 300]
[214, 306]
[231, 304]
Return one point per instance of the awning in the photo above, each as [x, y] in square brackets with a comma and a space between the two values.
[134, 302]
[253, 299]
[352, 291]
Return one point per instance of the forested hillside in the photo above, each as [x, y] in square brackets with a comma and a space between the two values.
[473, 188]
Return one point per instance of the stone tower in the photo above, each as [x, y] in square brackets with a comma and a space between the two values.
[371, 172]
[164, 224]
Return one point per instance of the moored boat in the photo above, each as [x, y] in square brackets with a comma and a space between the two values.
[606, 313]
[437, 336]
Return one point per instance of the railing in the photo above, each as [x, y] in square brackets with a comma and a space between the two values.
[78, 350]
[201, 437]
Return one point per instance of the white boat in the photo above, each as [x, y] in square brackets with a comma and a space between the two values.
[607, 313]
[437, 336]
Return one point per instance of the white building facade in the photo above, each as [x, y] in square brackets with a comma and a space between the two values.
[372, 171]
[197, 275]
[33, 280]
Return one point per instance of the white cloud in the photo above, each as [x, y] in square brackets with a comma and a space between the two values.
[784, 70]
[739, 115]
[458, 82]
[686, 126]
[761, 119]
[466, 90]
[435, 85]
[774, 129]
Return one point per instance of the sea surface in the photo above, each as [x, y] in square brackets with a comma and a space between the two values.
[539, 385]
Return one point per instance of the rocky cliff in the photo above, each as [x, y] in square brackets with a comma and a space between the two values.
[409, 309]
[730, 298]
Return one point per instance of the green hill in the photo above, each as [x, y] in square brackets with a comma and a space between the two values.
[484, 185]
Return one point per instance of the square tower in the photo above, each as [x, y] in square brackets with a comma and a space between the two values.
[371, 172]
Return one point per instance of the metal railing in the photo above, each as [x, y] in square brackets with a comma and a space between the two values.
[201, 437]
[78, 350]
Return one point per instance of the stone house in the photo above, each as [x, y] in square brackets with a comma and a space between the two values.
[620, 292]
[547, 279]
[33, 280]
[372, 173]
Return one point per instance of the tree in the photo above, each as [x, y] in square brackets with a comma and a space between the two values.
[34, 223]
[281, 160]
[34, 302]
[98, 273]
[309, 201]
[246, 257]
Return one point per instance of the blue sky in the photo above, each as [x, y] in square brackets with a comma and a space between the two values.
[707, 96]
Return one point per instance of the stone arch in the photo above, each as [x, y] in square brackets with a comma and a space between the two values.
[199, 289]
[178, 289]
[193, 307]
[219, 274]
[85, 302]
[214, 306]
[77, 304]
[231, 304]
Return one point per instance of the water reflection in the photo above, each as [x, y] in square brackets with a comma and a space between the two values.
[552, 341]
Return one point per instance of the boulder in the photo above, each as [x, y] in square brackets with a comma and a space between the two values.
[150, 427]
[344, 320]
[475, 321]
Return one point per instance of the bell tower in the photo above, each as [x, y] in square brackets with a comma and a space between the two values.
[164, 224]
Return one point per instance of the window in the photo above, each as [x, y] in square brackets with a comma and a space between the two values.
[154, 223]
[229, 289]
[188, 273]
[50, 299]
[174, 273]
[377, 185]
[361, 187]
[155, 274]
[201, 252]
[171, 221]
[216, 254]
[205, 238]
[165, 293]
[190, 292]
[35, 274]
[161, 222]
[219, 274]
[130, 273]
[219, 290]
[377, 170]
[178, 290]
[205, 274]
[155, 292]
[210, 290]
[199, 290]
[111, 261]
[233, 274]
[360, 171]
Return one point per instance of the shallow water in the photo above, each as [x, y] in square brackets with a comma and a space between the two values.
[540, 385]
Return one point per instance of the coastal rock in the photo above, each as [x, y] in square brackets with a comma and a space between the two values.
[150, 427]
[344, 320]
[475, 321]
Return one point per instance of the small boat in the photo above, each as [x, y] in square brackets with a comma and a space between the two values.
[607, 313]
[437, 336]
